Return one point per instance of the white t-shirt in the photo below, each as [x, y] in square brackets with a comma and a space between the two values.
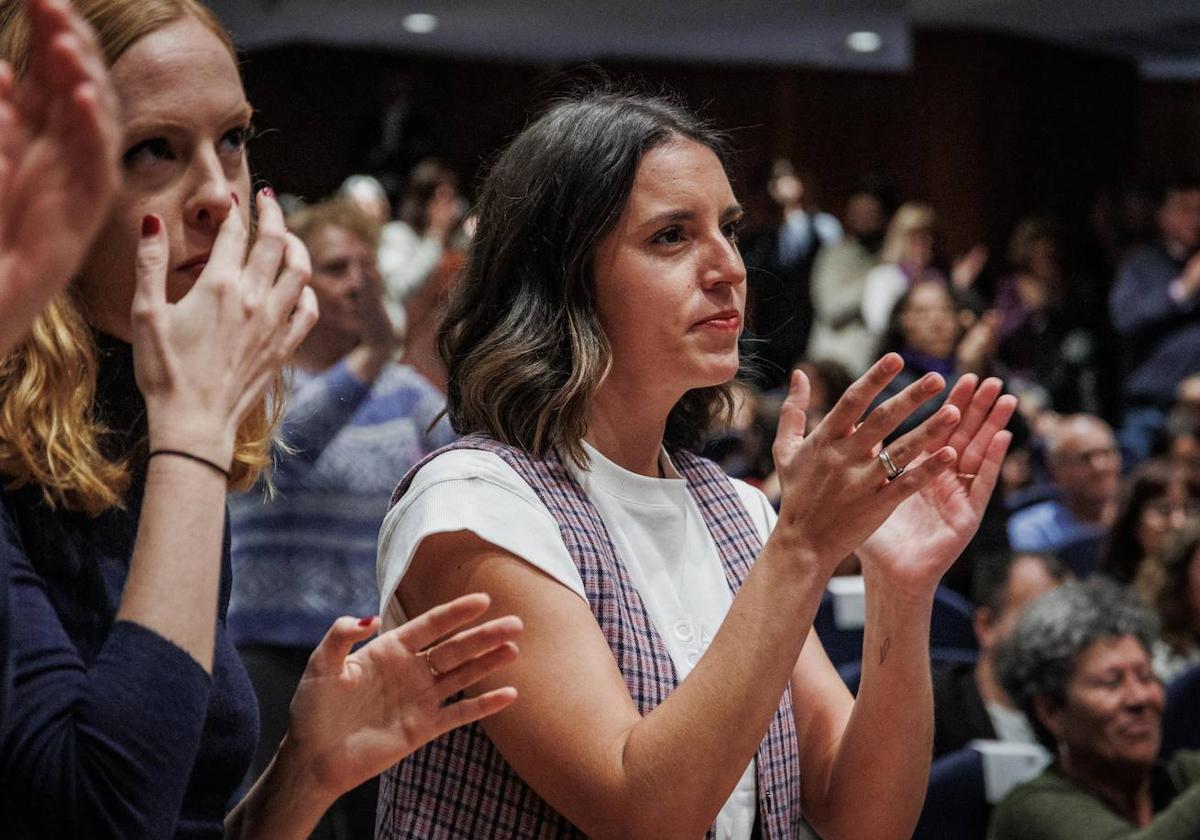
[654, 524]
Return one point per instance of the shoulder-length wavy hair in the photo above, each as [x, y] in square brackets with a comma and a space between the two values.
[49, 434]
[1163, 584]
[522, 341]
[1123, 554]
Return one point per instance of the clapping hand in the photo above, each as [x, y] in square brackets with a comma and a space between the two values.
[928, 530]
[59, 142]
[356, 714]
[835, 488]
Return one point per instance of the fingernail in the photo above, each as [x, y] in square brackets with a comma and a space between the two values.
[366, 620]
[150, 225]
[892, 363]
[268, 192]
[236, 200]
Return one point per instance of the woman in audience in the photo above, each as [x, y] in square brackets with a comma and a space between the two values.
[1047, 341]
[353, 421]
[934, 334]
[670, 681]
[1156, 500]
[909, 255]
[1078, 664]
[412, 247]
[1170, 583]
[130, 714]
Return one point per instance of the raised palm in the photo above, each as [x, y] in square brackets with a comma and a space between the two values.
[59, 140]
[356, 714]
[928, 530]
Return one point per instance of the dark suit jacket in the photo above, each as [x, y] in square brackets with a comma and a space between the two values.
[959, 716]
[779, 305]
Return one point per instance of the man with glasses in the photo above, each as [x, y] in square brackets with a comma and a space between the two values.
[1085, 468]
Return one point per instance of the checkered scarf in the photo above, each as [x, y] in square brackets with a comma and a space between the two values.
[458, 786]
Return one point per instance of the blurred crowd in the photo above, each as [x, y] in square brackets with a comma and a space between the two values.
[1098, 337]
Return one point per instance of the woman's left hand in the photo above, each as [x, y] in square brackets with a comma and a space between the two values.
[356, 714]
[923, 537]
[59, 146]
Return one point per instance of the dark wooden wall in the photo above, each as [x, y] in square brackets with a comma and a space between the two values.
[987, 127]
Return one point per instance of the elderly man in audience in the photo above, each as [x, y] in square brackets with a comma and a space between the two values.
[1078, 663]
[1155, 306]
[1085, 468]
[968, 700]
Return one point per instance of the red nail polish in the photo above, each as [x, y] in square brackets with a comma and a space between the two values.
[268, 192]
[150, 225]
[366, 620]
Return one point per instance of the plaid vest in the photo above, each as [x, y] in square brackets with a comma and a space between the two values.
[458, 786]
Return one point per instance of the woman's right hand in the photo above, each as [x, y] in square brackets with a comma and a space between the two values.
[202, 363]
[835, 489]
[379, 332]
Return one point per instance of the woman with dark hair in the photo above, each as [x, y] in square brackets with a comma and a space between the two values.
[1157, 499]
[1170, 584]
[1047, 338]
[671, 685]
[1078, 665]
[934, 333]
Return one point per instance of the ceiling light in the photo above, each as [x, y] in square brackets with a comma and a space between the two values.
[420, 23]
[864, 42]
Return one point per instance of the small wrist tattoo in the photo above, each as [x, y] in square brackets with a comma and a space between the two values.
[884, 648]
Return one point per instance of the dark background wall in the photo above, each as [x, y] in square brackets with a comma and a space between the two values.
[988, 127]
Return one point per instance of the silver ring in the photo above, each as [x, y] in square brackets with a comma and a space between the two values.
[889, 466]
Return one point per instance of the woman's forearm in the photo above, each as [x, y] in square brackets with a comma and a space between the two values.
[176, 568]
[284, 803]
[877, 783]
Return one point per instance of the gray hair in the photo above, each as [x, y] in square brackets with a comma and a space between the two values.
[1069, 426]
[1039, 658]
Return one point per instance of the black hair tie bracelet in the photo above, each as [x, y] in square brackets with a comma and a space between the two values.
[181, 454]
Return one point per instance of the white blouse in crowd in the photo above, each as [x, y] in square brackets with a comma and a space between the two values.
[406, 260]
[654, 524]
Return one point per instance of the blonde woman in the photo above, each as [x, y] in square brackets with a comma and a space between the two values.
[909, 254]
[135, 403]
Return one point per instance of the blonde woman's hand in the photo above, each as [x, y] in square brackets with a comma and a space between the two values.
[378, 331]
[835, 489]
[915, 546]
[203, 362]
[356, 714]
[59, 144]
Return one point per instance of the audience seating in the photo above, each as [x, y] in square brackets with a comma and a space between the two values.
[964, 785]
[1181, 719]
[841, 614]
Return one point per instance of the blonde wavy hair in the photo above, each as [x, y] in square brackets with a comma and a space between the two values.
[49, 434]
[912, 217]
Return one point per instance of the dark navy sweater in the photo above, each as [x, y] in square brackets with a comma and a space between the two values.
[1161, 335]
[112, 731]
